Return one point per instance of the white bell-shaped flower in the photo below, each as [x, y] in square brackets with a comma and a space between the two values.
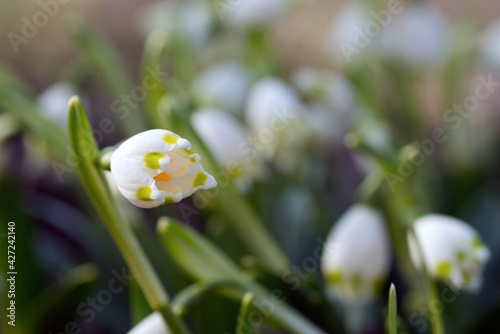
[346, 40]
[490, 45]
[228, 141]
[452, 249]
[325, 86]
[53, 102]
[416, 36]
[356, 257]
[156, 167]
[275, 116]
[152, 324]
[223, 85]
[270, 101]
[251, 13]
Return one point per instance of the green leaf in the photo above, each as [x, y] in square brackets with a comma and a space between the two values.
[205, 262]
[244, 322]
[139, 307]
[393, 311]
[60, 299]
[195, 254]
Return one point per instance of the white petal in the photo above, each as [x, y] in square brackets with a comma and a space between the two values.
[152, 324]
[247, 13]
[452, 243]
[358, 246]
[213, 85]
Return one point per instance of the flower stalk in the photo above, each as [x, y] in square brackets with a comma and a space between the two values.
[86, 153]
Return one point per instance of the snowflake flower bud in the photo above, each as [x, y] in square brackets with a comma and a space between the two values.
[156, 167]
[152, 324]
[452, 249]
[356, 257]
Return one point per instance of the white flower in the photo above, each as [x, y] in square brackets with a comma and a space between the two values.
[224, 85]
[53, 102]
[326, 86]
[346, 40]
[276, 120]
[490, 48]
[269, 100]
[249, 13]
[156, 167]
[356, 256]
[228, 141]
[152, 324]
[452, 249]
[190, 20]
[417, 35]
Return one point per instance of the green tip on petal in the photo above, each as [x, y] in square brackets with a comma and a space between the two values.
[153, 160]
[199, 180]
[144, 194]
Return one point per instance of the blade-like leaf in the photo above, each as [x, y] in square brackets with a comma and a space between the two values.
[393, 311]
[244, 324]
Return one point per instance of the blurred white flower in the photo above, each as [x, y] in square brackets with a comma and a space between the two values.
[53, 102]
[490, 45]
[224, 85]
[191, 20]
[156, 167]
[416, 36]
[345, 40]
[157, 16]
[269, 100]
[326, 86]
[227, 139]
[452, 249]
[356, 256]
[275, 116]
[152, 324]
[194, 19]
[249, 13]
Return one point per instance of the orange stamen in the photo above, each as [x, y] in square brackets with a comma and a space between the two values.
[162, 177]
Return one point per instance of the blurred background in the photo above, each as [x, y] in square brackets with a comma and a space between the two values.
[392, 93]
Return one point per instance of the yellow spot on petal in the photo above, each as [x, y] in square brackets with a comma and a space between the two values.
[334, 278]
[199, 179]
[461, 256]
[444, 270]
[188, 151]
[162, 177]
[171, 138]
[144, 194]
[192, 159]
[153, 160]
[477, 243]
[169, 199]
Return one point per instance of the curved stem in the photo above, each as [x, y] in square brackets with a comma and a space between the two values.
[95, 184]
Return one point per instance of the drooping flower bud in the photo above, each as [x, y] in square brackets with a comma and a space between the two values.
[356, 257]
[156, 167]
[452, 249]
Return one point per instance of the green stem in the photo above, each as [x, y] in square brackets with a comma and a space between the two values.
[432, 293]
[93, 180]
